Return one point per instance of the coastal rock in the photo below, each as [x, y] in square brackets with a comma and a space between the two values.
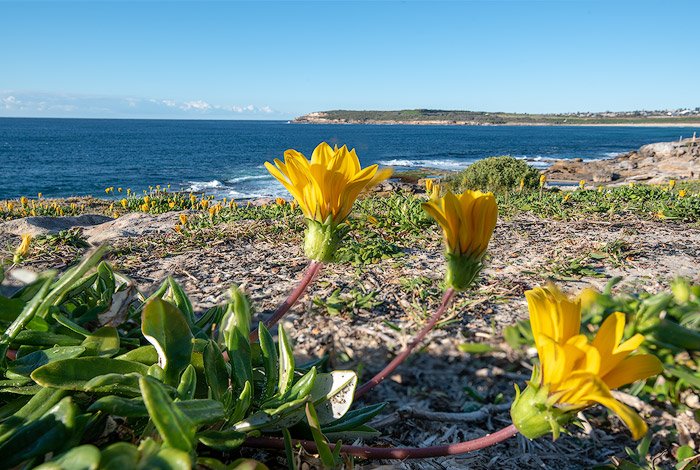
[652, 163]
[134, 224]
[50, 225]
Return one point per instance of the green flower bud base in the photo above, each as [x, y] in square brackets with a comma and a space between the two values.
[321, 240]
[461, 270]
[534, 414]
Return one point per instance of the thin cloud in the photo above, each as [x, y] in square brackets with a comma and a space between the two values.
[35, 104]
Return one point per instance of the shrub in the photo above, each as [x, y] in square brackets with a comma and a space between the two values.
[497, 174]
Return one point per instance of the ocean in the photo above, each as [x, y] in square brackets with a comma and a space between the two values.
[68, 157]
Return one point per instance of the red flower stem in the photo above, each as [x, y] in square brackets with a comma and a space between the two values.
[377, 379]
[401, 453]
[311, 270]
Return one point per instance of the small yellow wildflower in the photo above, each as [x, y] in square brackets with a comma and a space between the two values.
[567, 196]
[682, 193]
[171, 204]
[124, 203]
[671, 184]
[582, 184]
[23, 200]
[10, 206]
[428, 185]
[543, 180]
[145, 207]
[325, 187]
[372, 220]
[204, 204]
[279, 201]
[146, 199]
[522, 185]
[119, 190]
[183, 219]
[467, 222]
[574, 372]
[631, 184]
[177, 228]
[39, 195]
[23, 248]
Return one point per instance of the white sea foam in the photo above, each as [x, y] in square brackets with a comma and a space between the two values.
[241, 179]
[196, 186]
[424, 163]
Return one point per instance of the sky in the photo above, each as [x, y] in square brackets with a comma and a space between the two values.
[277, 60]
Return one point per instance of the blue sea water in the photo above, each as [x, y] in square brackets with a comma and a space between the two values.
[64, 157]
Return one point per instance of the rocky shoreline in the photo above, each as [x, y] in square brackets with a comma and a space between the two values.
[652, 163]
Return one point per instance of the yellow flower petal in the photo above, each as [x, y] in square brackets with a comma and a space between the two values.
[632, 369]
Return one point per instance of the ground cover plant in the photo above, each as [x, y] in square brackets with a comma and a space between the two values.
[85, 312]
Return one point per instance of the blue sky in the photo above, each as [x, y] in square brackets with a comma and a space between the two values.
[275, 60]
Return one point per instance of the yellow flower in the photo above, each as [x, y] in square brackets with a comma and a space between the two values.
[171, 204]
[279, 201]
[582, 184]
[372, 220]
[204, 204]
[10, 206]
[567, 196]
[328, 184]
[183, 219]
[23, 248]
[39, 195]
[119, 190]
[543, 180]
[428, 184]
[23, 200]
[146, 200]
[671, 184]
[631, 184]
[128, 191]
[574, 372]
[682, 193]
[177, 228]
[145, 207]
[467, 222]
[522, 184]
[435, 191]
[325, 187]
[124, 203]
[600, 189]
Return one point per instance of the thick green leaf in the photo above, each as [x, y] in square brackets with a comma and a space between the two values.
[167, 459]
[119, 456]
[270, 362]
[181, 301]
[120, 384]
[46, 434]
[286, 363]
[27, 364]
[244, 401]
[73, 374]
[85, 457]
[215, 371]
[333, 393]
[145, 355]
[176, 429]
[166, 328]
[222, 440]
[324, 451]
[103, 342]
[200, 412]
[188, 383]
[44, 339]
[353, 419]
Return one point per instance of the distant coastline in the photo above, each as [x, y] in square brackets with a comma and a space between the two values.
[427, 117]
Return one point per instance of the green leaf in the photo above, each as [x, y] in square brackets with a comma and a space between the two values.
[181, 301]
[333, 393]
[120, 384]
[73, 374]
[44, 339]
[289, 450]
[286, 363]
[25, 365]
[270, 361]
[243, 403]
[200, 412]
[103, 342]
[165, 327]
[145, 355]
[222, 440]
[353, 419]
[119, 456]
[215, 370]
[475, 348]
[85, 457]
[167, 459]
[324, 451]
[188, 383]
[174, 427]
[47, 434]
